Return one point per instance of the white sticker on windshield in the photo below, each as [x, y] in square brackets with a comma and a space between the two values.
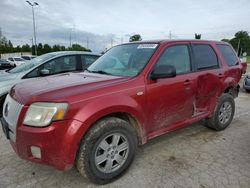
[147, 46]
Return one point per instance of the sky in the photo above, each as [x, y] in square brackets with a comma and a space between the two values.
[100, 24]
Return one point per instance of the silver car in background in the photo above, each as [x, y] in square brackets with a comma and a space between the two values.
[44, 65]
[246, 82]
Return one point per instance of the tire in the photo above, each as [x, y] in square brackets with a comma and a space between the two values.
[101, 159]
[223, 113]
[247, 90]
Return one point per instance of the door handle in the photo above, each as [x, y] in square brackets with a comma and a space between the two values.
[220, 76]
[187, 82]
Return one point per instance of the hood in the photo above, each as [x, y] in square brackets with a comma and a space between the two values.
[5, 76]
[61, 87]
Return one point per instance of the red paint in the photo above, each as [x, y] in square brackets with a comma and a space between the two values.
[166, 104]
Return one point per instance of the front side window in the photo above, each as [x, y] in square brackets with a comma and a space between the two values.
[124, 60]
[55, 66]
[204, 57]
[32, 63]
[228, 54]
[177, 56]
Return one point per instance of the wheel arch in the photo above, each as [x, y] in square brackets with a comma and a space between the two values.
[232, 90]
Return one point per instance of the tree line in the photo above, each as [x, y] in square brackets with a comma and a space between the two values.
[6, 46]
[240, 42]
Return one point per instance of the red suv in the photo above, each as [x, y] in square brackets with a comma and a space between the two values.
[131, 94]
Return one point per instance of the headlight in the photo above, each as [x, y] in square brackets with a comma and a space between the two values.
[41, 114]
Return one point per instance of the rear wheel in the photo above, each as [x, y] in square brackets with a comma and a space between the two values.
[107, 150]
[223, 113]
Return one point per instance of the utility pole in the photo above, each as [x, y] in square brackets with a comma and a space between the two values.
[170, 35]
[32, 44]
[34, 24]
[70, 38]
[88, 42]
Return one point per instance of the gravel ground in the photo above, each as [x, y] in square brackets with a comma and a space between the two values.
[194, 156]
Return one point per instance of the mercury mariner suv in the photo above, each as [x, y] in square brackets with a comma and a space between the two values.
[133, 93]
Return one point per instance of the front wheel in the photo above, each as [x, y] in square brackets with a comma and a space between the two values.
[223, 113]
[107, 150]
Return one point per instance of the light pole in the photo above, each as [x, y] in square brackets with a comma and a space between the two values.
[34, 25]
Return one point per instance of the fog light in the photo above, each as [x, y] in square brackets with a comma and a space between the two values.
[36, 152]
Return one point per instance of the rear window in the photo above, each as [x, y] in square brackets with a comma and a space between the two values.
[228, 54]
[205, 57]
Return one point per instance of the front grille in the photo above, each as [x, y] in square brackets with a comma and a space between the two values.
[11, 111]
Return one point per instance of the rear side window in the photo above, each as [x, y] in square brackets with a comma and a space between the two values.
[87, 60]
[204, 56]
[228, 54]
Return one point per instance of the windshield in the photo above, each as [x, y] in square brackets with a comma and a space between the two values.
[124, 60]
[32, 63]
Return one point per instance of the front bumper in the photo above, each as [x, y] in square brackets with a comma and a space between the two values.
[58, 143]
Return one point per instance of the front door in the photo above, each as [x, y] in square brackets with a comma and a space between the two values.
[170, 100]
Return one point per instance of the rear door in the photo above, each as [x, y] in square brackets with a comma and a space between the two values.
[170, 100]
[209, 76]
[233, 62]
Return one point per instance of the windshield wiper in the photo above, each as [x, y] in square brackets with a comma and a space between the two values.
[98, 72]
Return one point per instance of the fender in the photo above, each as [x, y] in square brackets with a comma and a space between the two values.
[92, 111]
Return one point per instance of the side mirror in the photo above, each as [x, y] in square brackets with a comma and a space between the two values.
[44, 72]
[163, 71]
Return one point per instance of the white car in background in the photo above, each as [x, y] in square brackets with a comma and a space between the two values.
[16, 61]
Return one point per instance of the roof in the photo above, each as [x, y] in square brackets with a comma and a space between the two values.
[61, 53]
[175, 40]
